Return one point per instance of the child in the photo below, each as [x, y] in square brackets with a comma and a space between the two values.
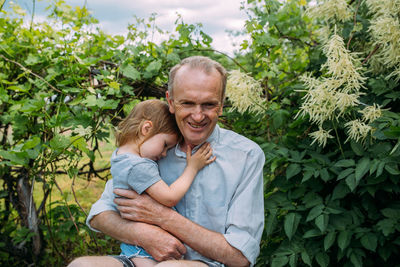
[143, 138]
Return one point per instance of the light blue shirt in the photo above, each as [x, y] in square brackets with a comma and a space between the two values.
[226, 195]
[129, 171]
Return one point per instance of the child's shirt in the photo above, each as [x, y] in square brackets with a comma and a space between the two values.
[130, 171]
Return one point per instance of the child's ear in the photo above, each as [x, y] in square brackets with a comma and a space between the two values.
[146, 128]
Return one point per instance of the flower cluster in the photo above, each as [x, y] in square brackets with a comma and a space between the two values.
[331, 9]
[385, 31]
[357, 130]
[371, 113]
[333, 95]
[321, 136]
[244, 92]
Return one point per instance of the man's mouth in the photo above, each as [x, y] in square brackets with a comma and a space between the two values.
[197, 125]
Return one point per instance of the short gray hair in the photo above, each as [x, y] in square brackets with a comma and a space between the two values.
[202, 63]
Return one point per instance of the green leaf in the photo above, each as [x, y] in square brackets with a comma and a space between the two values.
[345, 163]
[129, 71]
[291, 223]
[344, 239]
[329, 240]
[362, 168]
[391, 213]
[292, 170]
[59, 142]
[345, 173]
[322, 259]
[306, 258]
[314, 212]
[271, 221]
[357, 148]
[31, 143]
[279, 261]
[322, 222]
[340, 191]
[369, 241]
[152, 69]
[312, 233]
[392, 168]
[356, 260]
[351, 182]
[307, 175]
[380, 168]
[324, 175]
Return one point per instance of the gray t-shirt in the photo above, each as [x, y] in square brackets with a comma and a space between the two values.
[130, 171]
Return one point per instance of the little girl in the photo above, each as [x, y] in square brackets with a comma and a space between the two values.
[143, 138]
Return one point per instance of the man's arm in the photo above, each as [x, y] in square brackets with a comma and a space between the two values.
[157, 242]
[210, 244]
[104, 217]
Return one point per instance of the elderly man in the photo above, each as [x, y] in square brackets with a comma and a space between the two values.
[221, 218]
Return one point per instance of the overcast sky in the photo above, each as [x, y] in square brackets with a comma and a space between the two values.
[217, 16]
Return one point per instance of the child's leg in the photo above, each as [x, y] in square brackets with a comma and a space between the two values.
[143, 262]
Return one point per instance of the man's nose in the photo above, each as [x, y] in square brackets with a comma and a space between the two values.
[197, 113]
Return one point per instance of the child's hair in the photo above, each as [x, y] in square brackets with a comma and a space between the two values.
[153, 110]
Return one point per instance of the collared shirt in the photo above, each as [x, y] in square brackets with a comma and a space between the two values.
[226, 195]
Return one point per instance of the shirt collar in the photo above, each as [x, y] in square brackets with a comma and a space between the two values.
[212, 139]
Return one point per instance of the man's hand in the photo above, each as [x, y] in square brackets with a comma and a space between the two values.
[140, 208]
[162, 245]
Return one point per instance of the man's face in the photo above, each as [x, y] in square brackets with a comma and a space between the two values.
[196, 101]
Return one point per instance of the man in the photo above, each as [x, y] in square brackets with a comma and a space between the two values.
[221, 218]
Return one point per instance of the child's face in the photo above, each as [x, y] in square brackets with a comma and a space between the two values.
[156, 146]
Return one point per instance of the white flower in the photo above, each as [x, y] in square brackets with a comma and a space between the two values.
[244, 92]
[371, 113]
[341, 65]
[321, 136]
[331, 9]
[357, 130]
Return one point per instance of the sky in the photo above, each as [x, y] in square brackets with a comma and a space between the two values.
[216, 16]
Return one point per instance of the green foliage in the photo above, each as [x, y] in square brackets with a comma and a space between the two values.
[63, 86]
[330, 206]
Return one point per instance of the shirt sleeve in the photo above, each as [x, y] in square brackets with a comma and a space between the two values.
[245, 220]
[106, 202]
[143, 175]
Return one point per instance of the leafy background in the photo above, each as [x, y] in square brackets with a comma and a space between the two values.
[64, 87]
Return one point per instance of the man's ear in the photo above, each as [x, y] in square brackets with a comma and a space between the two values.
[170, 102]
[146, 128]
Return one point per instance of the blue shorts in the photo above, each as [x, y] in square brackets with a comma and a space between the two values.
[131, 251]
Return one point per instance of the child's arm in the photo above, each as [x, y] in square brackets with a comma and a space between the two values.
[170, 195]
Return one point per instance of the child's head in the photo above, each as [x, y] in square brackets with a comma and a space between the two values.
[155, 111]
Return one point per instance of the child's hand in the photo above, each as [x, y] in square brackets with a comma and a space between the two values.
[201, 158]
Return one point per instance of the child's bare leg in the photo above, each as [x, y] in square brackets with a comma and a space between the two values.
[143, 262]
[181, 263]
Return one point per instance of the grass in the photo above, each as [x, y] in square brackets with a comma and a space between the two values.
[86, 191]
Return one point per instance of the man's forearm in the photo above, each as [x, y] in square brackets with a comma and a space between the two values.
[111, 223]
[210, 244]
[157, 242]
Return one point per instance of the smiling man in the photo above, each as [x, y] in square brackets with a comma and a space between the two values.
[221, 218]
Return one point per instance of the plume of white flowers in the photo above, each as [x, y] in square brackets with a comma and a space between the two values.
[321, 136]
[244, 92]
[330, 10]
[371, 113]
[385, 32]
[357, 130]
[341, 64]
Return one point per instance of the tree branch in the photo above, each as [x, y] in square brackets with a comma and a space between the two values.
[30, 72]
[370, 54]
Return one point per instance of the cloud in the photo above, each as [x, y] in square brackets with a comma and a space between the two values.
[215, 16]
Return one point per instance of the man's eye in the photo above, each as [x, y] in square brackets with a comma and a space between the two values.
[209, 105]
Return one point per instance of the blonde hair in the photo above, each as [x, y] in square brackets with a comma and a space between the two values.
[153, 110]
